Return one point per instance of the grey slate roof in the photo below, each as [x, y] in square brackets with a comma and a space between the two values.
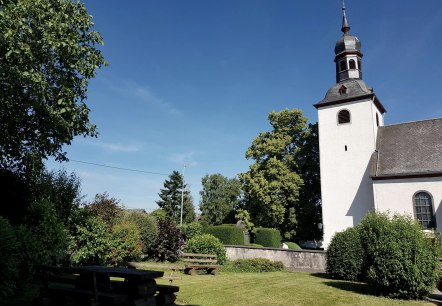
[356, 89]
[408, 149]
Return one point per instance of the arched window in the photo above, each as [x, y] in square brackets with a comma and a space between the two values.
[343, 65]
[352, 64]
[423, 208]
[343, 116]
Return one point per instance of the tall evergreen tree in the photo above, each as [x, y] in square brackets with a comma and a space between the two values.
[170, 199]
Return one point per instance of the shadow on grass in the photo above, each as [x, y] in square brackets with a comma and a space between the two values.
[360, 288]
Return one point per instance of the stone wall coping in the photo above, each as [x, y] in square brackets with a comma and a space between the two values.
[274, 249]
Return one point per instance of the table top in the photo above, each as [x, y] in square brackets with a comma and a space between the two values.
[111, 271]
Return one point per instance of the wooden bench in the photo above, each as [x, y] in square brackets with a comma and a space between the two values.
[166, 294]
[173, 268]
[195, 262]
[62, 287]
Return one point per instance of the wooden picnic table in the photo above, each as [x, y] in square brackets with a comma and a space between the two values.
[94, 284]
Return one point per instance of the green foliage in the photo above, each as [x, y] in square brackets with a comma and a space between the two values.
[106, 208]
[268, 237]
[48, 231]
[191, 229]
[61, 189]
[158, 214]
[257, 265]
[170, 201]
[126, 243]
[147, 227]
[207, 244]
[274, 183]
[345, 255]
[242, 214]
[293, 246]
[169, 241]
[90, 242]
[220, 196]
[49, 53]
[9, 264]
[227, 234]
[254, 245]
[400, 261]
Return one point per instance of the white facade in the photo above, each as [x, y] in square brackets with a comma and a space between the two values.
[397, 195]
[345, 151]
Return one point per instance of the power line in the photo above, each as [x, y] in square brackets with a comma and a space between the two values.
[118, 168]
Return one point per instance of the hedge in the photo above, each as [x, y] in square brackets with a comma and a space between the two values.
[227, 234]
[207, 244]
[268, 237]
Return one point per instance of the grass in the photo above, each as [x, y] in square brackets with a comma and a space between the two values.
[271, 288]
[277, 288]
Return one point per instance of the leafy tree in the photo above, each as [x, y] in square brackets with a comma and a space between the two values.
[219, 197]
[170, 199]
[106, 208]
[274, 183]
[48, 54]
[126, 243]
[147, 227]
[169, 242]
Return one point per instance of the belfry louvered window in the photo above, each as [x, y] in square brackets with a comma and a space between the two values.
[343, 116]
[423, 208]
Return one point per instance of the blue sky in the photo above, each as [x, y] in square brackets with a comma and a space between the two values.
[191, 82]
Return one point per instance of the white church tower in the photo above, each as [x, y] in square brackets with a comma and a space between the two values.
[348, 119]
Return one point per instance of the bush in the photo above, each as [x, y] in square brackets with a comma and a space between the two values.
[400, 261]
[268, 237]
[90, 242]
[169, 242]
[227, 234]
[126, 243]
[257, 265]
[191, 230]
[207, 244]
[8, 260]
[345, 255]
[293, 246]
[147, 227]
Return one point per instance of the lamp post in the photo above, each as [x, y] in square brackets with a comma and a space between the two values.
[182, 197]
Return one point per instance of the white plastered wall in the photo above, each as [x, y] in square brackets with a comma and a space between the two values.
[346, 188]
[396, 195]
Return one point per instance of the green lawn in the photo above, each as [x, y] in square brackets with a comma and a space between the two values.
[277, 288]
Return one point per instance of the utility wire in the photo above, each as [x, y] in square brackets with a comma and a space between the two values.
[118, 168]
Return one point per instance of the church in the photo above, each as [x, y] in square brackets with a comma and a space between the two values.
[367, 165]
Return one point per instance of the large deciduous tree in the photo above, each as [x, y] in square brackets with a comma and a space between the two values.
[219, 198]
[282, 185]
[48, 53]
[170, 199]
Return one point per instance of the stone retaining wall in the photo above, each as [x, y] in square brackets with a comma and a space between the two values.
[309, 260]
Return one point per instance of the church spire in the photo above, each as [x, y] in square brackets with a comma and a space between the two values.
[348, 53]
[345, 26]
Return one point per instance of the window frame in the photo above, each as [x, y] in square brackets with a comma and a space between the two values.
[433, 224]
[349, 116]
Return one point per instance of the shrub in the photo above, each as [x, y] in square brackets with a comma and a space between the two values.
[90, 242]
[8, 260]
[345, 255]
[400, 261]
[268, 237]
[227, 234]
[169, 242]
[191, 229]
[293, 246]
[207, 244]
[254, 245]
[105, 207]
[257, 265]
[126, 243]
[147, 227]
